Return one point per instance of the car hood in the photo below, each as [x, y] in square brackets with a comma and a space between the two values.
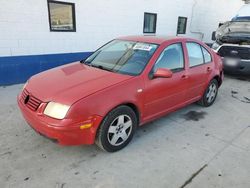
[70, 83]
[234, 32]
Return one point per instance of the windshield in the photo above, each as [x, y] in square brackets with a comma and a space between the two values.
[124, 57]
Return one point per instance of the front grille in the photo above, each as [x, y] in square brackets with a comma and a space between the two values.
[235, 52]
[30, 101]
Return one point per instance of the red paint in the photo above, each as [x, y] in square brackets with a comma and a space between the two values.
[92, 93]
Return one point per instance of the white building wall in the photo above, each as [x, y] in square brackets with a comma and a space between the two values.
[24, 25]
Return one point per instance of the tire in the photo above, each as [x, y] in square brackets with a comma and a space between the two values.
[210, 94]
[117, 129]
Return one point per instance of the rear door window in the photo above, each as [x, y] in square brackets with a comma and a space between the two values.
[195, 54]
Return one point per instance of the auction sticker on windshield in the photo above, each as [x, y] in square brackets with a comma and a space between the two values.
[140, 46]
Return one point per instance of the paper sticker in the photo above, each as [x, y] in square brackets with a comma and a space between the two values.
[144, 47]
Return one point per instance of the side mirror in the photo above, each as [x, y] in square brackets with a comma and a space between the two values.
[213, 36]
[163, 73]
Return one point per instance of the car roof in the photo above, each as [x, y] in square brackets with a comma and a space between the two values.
[150, 39]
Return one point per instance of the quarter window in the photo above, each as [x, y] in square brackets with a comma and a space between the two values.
[149, 23]
[207, 56]
[171, 58]
[195, 55]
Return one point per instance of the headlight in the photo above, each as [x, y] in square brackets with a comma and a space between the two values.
[56, 110]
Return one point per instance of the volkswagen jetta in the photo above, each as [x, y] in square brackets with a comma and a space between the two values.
[124, 84]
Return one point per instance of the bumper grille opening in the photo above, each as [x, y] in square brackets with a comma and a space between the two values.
[235, 52]
[30, 101]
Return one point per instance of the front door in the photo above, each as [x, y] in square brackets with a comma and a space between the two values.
[164, 94]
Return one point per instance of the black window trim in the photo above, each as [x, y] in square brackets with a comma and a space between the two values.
[155, 24]
[184, 60]
[180, 17]
[73, 15]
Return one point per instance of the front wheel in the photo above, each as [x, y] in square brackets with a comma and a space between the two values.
[210, 94]
[117, 129]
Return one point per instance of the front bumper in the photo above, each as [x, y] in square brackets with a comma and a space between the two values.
[65, 132]
[240, 67]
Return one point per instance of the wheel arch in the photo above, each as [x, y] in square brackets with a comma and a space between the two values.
[135, 109]
[218, 78]
[131, 105]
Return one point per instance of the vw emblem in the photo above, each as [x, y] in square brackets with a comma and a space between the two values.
[26, 100]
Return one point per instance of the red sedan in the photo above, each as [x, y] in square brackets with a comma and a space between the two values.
[124, 84]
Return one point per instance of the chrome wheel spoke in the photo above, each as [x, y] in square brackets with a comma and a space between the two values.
[210, 88]
[121, 119]
[210, 99]
[112, 129]
[114, 139]
[124, 135]
[127, 125]
[208, 94]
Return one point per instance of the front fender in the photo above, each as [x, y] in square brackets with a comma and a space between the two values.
[102, 102]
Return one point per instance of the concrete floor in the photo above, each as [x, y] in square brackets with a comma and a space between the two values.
[194, 147]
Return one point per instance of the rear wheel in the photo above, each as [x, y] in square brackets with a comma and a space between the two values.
[210, 94]
[117, 129]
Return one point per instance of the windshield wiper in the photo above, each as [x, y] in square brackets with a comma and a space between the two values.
[101, 67]
[90, 58]
[85, 62]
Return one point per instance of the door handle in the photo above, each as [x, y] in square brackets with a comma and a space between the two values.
[209, 69]
[184, 76]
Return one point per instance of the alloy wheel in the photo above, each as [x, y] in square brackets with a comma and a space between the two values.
[211, 93]
[119, 130]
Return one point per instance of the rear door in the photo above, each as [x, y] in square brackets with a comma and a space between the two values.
[199, 60]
